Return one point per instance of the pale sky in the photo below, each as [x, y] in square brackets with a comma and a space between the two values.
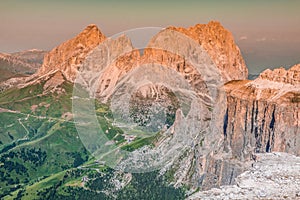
[267, 31]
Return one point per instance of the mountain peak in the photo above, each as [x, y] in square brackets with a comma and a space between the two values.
[92, 28]
[90, 36]
[220, 45]
[213, 37]
[67, 56]
[209, 24]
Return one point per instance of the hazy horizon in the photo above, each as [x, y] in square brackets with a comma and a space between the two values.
[268, 33]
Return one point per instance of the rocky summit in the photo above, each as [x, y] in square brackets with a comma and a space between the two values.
[70, 54]
[220, 45]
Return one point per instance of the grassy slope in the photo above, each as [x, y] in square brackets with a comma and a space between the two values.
[26, 133]
[51, 143]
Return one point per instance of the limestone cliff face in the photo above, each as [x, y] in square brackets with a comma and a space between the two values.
[70, 54]
[264, 115]
[220, 45]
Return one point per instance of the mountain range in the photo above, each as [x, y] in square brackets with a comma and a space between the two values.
[20, 64]
[237, 119]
